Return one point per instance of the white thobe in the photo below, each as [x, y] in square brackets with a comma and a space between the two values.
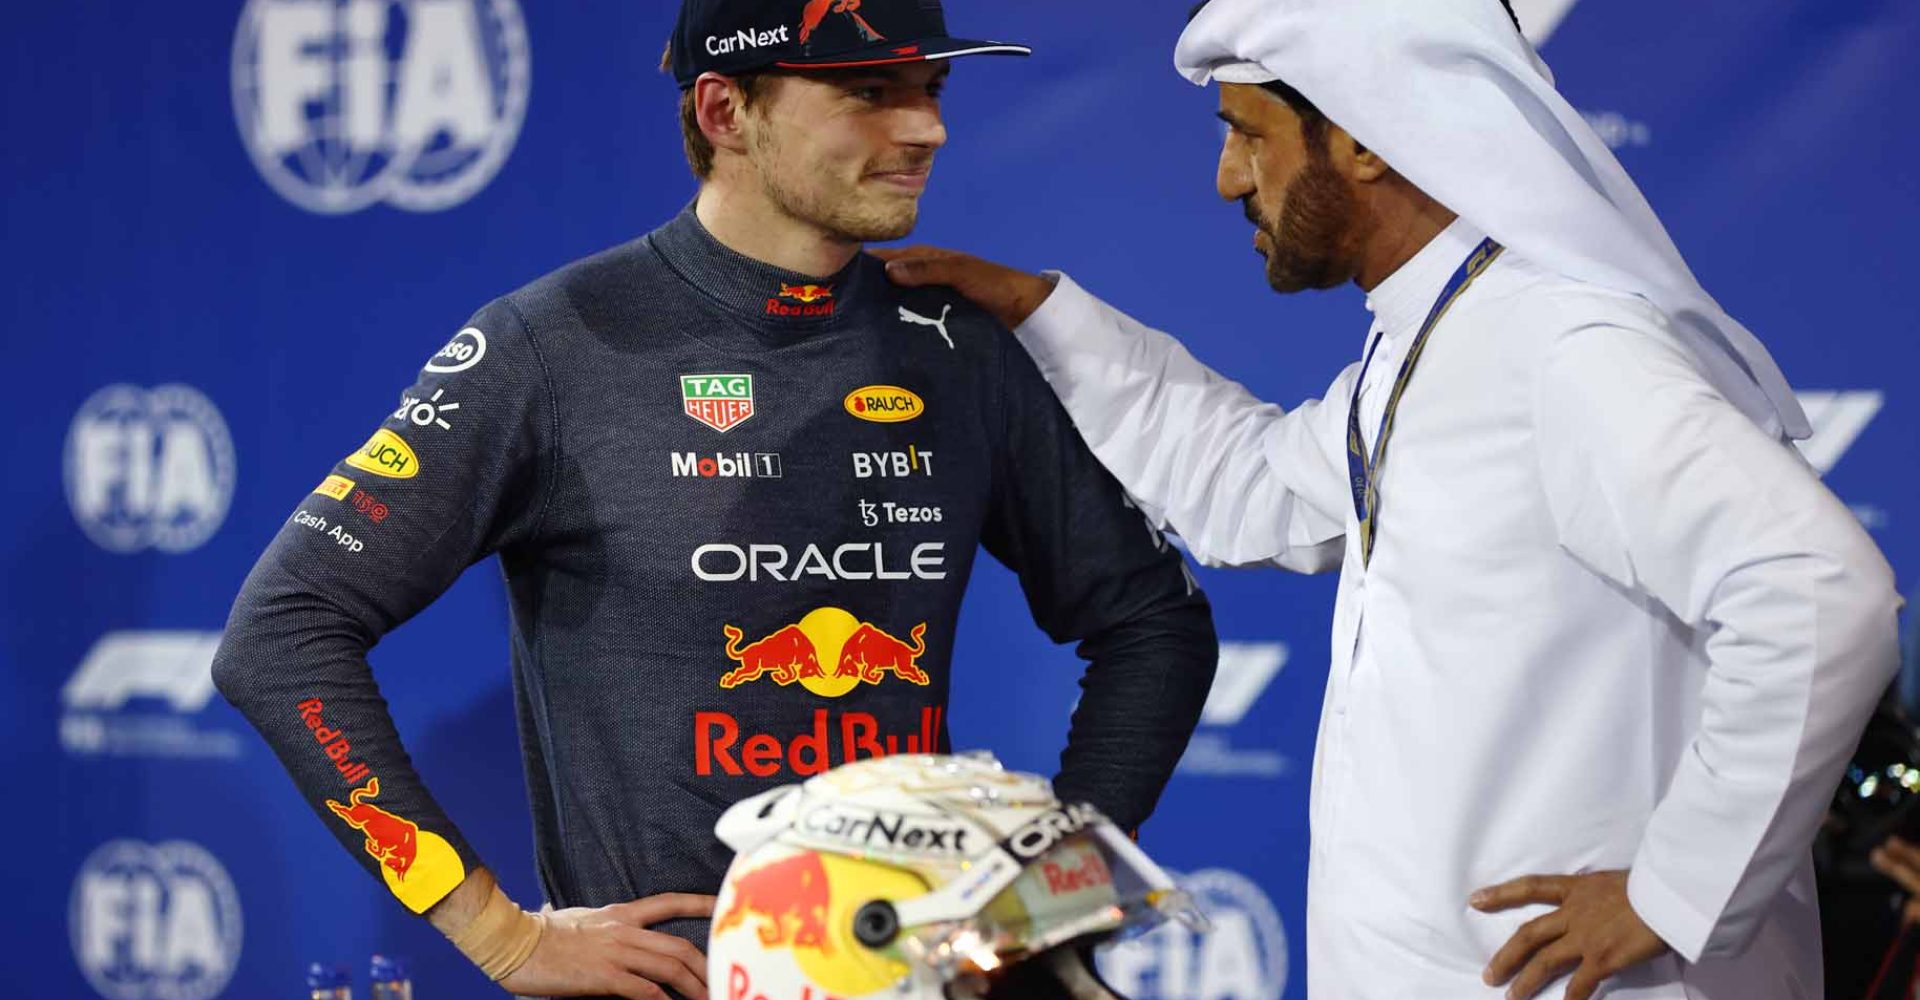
[1608, 622]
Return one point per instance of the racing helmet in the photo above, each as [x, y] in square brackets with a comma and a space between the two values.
[926, 876]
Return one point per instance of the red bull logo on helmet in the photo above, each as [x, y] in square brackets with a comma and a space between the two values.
[800, 906]
[789, 900]
[830, 652]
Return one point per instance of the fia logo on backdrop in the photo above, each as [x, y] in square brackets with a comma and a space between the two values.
[1241, 956]
[155, 922]
[149, 468]
[344, 104]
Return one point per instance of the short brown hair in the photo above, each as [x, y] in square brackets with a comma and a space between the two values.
[699, 151]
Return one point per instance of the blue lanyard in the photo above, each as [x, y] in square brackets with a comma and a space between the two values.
[1363, 472]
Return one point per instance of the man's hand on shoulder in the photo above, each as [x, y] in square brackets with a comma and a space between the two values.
[1592, 933]
[608, 950]
[1008, 294]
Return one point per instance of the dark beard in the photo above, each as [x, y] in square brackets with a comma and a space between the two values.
[1316, 220]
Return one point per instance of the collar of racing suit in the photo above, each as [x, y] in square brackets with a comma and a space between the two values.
[773, 300]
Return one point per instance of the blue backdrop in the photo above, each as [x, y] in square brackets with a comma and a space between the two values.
[233, 230]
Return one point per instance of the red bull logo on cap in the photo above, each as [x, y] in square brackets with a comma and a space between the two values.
[860, 653]
[817, 10]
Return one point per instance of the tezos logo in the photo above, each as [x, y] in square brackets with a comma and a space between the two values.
[1243, 955]
[155, 922]
[149, 468]
[347, 103]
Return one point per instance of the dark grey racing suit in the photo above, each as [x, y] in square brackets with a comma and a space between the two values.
[736, 509]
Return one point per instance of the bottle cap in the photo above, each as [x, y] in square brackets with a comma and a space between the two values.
[389, 970]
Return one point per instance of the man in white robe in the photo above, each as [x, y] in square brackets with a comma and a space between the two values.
[1603, 642]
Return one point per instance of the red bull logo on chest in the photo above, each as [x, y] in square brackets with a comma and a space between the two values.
[829, 652]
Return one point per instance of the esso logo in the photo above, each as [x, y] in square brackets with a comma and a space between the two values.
[155, 922]
[344, 104]
[465, 350]
[1243, 956]
[149, 468]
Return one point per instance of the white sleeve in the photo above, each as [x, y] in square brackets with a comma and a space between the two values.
[1660, 484]
[1241, 481]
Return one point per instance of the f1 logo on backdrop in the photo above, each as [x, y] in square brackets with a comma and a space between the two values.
[347, 103]
[136, 695]
[155, 922]
[149, 468]
[1837, 419]
[1246, 670]
[1242, 956]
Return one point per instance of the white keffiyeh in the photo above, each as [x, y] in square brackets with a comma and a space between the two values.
[1450, 95]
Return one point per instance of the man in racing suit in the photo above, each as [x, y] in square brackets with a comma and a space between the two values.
[736, 481]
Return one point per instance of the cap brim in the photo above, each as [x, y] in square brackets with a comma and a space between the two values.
[890, 54]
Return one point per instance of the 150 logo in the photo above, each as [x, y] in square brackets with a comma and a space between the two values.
[155, 922]
[344, 104]
[149, 468]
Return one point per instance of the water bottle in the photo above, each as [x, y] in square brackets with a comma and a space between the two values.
[390, 980]
[328, 982]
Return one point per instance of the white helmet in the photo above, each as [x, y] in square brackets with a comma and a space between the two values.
[922, 876]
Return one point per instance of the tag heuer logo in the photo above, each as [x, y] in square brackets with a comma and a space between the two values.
[722, 402]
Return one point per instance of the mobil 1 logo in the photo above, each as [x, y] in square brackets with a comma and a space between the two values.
[734, 465]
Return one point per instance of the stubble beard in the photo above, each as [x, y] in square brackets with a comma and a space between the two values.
[828, 202]
[1314, 223]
